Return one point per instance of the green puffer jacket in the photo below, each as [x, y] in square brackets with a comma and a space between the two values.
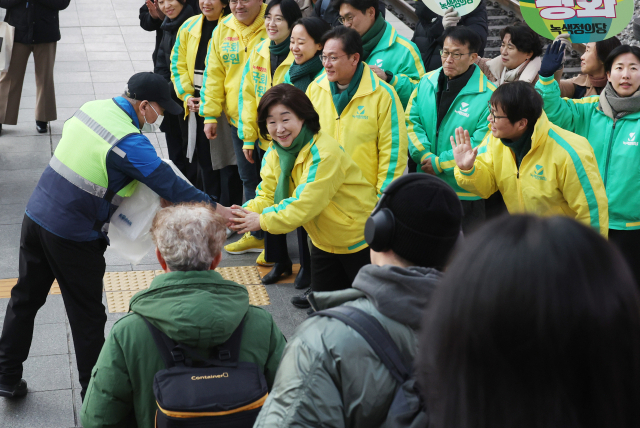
[197, 308]
[329, 376]
[615, 144]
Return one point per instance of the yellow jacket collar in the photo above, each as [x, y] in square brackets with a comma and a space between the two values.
[540, 131]
[263, 50]
[302, 155]
[195, 25]
[368, 84]
[307, 147]
[243, 30]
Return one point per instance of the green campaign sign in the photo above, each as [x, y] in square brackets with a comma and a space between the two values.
[586, 21]
[463, 7]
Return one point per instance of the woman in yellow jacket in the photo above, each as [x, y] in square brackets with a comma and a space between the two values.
[266, 67]
[538, 167]
[231, 43]
[217, 162]
[309, 180]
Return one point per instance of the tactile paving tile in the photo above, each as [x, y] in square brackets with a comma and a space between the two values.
[132, 280]
[121, 286]
[258, 295]
[118, 301]
[5, 287]
[55, 288]
[7, 284]
[245, 275]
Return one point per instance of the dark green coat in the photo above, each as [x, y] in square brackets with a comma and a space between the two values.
[199, 309]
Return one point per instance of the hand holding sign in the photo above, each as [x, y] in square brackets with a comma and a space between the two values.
[451, 10]
[451, 18]
[585, 21]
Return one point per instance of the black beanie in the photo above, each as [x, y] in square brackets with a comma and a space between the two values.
[428, 215]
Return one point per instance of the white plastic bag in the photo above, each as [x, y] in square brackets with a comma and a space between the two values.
[133, 251]
[191, 139]
[6, 46]
[131, 223]
[134, 216]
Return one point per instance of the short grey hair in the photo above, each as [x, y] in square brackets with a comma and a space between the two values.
[189, 236]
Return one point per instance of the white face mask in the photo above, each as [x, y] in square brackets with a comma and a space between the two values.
[155, 126]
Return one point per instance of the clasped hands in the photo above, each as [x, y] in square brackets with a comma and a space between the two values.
[243, 220]
[237, 218]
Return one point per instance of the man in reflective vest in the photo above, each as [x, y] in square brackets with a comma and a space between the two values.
[99, 160]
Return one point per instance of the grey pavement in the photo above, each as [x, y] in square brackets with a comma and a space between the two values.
[102, 46]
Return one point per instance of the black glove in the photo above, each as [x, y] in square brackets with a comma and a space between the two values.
[553, 60]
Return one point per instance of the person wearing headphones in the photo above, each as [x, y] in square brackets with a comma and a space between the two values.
[309, 180]
[410, 240]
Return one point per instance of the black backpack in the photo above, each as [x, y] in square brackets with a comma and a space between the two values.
[206, 392]
[407, 408]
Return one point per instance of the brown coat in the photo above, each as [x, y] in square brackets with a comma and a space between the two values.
[568, 86]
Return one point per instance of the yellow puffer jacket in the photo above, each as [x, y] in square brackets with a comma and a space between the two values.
[256, 80]
[329, 197]
[559, 176]
[371, 127]
[229, 49]
[183, 58]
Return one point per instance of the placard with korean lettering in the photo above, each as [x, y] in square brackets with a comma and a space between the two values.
[463, 7]
[586, 21]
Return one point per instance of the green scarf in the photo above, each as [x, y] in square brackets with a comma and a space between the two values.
[281, 49]
[341, 99]
[521, 146]
[302, 75]
[288, 157]
[372, 37]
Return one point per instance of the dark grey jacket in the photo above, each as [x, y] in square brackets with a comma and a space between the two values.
[170, 29]
[35, 21]
[328, 375]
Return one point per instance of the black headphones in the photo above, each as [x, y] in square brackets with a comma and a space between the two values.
[380, 227]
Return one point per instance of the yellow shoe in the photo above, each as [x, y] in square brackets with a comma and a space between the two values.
[262, 262]
[247, 244]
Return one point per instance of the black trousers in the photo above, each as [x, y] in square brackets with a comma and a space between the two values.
[277, 251]
[494, 206]
[223, 184]
[628, 242]
[79, 268]
[177, 147]
[331, 272]
[473, 215]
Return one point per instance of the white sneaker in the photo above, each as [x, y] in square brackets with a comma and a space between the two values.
[230, 233]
